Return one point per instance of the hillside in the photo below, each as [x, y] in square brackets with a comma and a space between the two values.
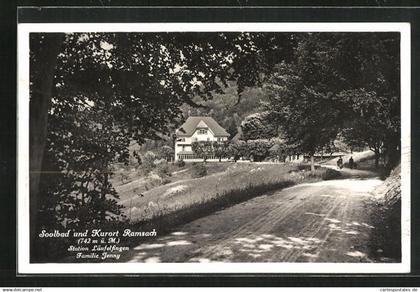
[225, 109]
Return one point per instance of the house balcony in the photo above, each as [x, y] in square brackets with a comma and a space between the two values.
[191, 156]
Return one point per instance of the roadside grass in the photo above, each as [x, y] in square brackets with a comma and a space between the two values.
[368, 164]
[136, 183]
[328, 174]
[123, 174]
[187, 170]
[236, 182]
[320, 172]
[385, 244]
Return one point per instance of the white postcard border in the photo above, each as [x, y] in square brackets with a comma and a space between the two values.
[24, 265]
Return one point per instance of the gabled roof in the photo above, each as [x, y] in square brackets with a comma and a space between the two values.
[201, 124]
[238, 135]
[190, 125]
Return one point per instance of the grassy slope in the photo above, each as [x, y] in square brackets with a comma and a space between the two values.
[135, 182]
[225, 184]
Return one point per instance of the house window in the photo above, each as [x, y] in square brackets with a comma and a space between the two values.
[202, 132]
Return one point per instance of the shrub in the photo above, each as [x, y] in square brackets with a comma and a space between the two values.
[306, 167]
[257, 150]
[162, 167]
[166, 152]
[148, 163]
[198, 170]
[303, 167]
[202, 149]
[330, 174]
[258, 126]
[124, 177]
[154, 180]
[180, 163]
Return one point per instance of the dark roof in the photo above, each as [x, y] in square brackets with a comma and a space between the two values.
[190, 125]
[238, 135]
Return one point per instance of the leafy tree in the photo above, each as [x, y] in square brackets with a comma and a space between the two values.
[203, 149]
[166, 152]
[258, 126]
[280, 149]
[374, 124]
[220, 149]
[136, 82]
[76, 190]
[81, 172]
[312, 98]
[374, 101]
[162, 168]
[236, 149]
[148, 161]
[309, 118]
[43, 55]
[258, 150]
[255, 150]
[368, 67]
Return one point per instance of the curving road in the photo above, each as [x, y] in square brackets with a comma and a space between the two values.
[327, 221]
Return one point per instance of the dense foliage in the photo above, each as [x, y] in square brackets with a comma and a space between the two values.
[104, 90]
[341, 83]
[258, 126]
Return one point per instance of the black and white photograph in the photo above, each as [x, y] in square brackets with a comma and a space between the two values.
[221, 147]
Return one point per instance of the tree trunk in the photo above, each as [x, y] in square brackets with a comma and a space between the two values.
[42, 70]
[104, 192]
[393, 153]
[312, 164]
[377, 156]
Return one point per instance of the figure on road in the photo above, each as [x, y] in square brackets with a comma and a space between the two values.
[351, 162]
[340, 163]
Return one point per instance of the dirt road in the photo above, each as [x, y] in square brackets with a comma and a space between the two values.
[327, 221]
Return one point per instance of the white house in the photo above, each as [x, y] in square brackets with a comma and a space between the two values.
[197, 129]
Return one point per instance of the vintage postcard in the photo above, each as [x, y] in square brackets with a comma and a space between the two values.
[213, 148]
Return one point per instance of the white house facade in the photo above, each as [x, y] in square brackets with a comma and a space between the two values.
[196, 129]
